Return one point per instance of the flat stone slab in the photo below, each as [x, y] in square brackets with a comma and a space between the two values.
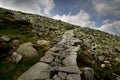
[69, 69]
[38, 71]
[70, 60]
[73, 77]
[48, 58]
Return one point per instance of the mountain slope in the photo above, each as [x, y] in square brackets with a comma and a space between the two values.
[99, 51]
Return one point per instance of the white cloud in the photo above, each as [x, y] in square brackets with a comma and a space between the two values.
[107, 7]
[82, 19]
[42, 7]
[113, 28]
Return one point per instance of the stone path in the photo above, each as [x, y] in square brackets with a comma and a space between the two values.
[59, 63]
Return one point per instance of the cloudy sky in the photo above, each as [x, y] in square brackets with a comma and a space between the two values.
[97, 14]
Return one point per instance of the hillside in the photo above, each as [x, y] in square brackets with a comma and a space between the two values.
[26, 40]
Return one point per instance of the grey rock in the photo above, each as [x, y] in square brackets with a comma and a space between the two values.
[47, 58]
[43, 42]
[74, 49]
[62, 75]
[117, 59]
[103, 65]
[16, 57]
[70, 60]
[55, 64]
[73, 77]
[116, 76]
[38, 71]
[5, 38]
[101, 58]
[27, 50]
[68, 34]
[56, 54]
[57, 60]
[56, 77]
[16, 43]
[108, 62]
[69, 69]
[89, 73]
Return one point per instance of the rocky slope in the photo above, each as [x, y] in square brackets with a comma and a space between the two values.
[34, 47]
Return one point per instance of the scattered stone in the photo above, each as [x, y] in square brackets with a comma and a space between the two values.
[40, 71]
[73, 77]
[16, 57]
[101, 58]
[43, 42]
[108, 62]
[116, 76]
[62, 75]
[117, 59]
[27, 50]
[103, 65]
[89, 73]
[5, 38]
[56, 54]
[16, 43]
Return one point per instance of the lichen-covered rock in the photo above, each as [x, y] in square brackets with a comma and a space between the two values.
[27, 50]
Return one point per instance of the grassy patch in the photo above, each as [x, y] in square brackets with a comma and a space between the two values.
[11, 71]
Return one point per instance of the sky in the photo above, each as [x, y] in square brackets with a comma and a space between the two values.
[98, 14]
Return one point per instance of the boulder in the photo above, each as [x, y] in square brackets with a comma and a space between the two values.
[40, 71]
[16, 57]
[89, 73]
[27, 50]
[5, 38]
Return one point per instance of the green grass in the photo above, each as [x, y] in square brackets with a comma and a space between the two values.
[11, 71]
